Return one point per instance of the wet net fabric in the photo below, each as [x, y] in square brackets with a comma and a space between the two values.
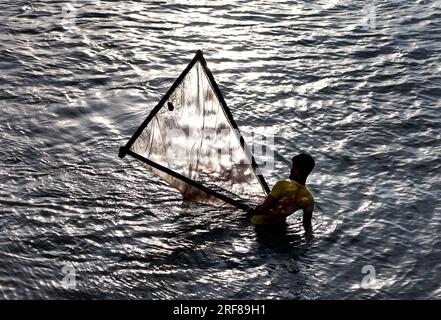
[191, 135]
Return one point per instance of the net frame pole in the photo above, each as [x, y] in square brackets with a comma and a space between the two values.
[193, 183]
[123, 150]
[233, 123]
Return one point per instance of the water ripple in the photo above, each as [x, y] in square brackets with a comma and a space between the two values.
[362, 96]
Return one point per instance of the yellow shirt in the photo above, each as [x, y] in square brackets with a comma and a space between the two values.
[290, 196]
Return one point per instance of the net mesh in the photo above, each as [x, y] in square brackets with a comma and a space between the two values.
[191, 135]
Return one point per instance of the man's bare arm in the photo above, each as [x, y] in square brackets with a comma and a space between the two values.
[307, 216]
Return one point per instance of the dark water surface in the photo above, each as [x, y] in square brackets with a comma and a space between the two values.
[361, 95]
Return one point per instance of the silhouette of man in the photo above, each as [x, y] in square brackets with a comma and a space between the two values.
[288, 196]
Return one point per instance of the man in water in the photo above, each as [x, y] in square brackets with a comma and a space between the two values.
[287, 196]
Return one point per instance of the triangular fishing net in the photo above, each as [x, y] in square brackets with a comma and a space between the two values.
[191, 141]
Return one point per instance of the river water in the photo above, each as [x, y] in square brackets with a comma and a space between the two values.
[354, 83]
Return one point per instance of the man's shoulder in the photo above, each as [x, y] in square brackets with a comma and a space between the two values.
[309, 193]
[282, 182]
[279, 189]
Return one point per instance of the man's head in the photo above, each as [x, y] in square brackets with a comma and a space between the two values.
[302, 165]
